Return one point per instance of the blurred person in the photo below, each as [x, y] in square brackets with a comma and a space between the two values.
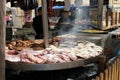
[65, 23]
[9, 25]
[38, 24]
[7, 19]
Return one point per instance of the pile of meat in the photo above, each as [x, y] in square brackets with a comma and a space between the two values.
[48, 55]
[82, 50]
[34, 44]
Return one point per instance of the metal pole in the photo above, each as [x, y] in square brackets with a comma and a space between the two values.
[45, 22]
[2, 39]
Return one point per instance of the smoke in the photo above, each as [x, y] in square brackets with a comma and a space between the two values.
[82, 15]
[79, 20]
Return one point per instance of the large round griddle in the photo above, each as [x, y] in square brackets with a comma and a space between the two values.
[47, 67]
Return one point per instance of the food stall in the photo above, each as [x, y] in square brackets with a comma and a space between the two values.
[63, 54]
[60, 42]
[59, 53]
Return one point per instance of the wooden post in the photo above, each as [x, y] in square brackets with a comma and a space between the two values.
[119, 68]
[114, 70]
[106, 74]
[107, 15]
[109, 73]
[45, 22]
[101, 76]
[97, 78]
[2, 39]
[113, 14]
[112, 18]
[116, 17]
[101, 64]
[100, 10]
[112, 78]
[119, 18]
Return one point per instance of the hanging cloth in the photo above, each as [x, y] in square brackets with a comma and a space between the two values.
[50, 8]
[28, 4]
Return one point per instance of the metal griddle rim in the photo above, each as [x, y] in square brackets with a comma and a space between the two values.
[49, 67]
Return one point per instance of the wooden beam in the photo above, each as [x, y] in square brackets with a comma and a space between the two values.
[2, 39]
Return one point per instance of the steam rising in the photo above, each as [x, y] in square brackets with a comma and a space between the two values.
[80, 20]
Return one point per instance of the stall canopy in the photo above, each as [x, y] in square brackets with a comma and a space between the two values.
[58, 7]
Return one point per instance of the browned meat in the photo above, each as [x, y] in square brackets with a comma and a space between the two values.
[12, 52]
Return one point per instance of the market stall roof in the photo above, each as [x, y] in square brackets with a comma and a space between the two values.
[56, 7]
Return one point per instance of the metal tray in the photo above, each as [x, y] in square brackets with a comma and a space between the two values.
[104, 32]
[47, 67]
